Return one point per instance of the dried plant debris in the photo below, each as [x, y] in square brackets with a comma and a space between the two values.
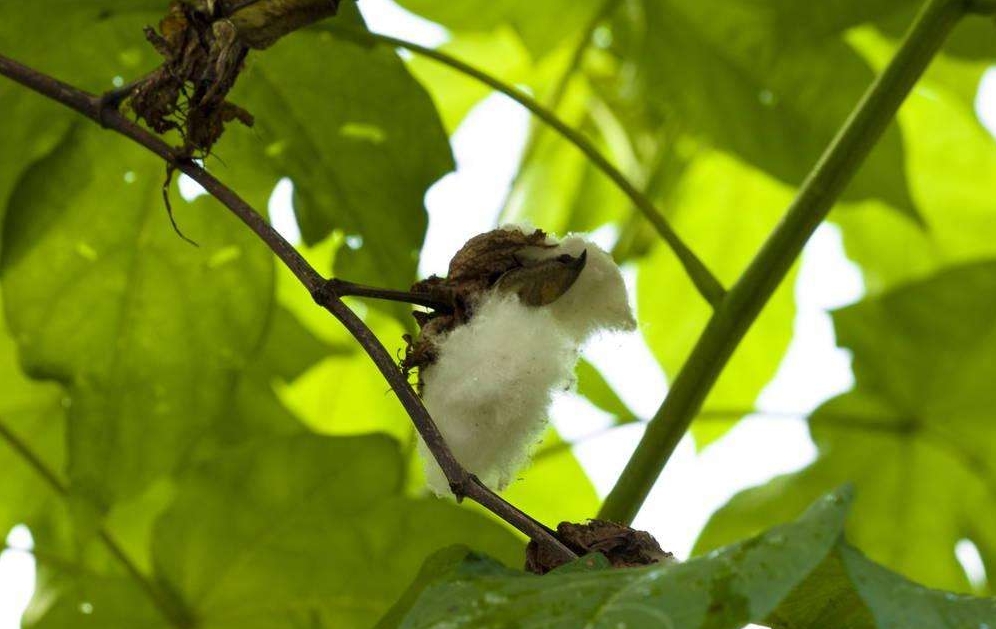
[623, 546]
[522, 303]
[204, 44]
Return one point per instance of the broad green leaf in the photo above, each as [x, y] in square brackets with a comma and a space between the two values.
[289, 348]
[915, 436]
[104, 603]
[832, 18]
[737, 585]
[326, 514]
[362, 146]
[335, 131]
[436, 567]
[542, 26]
[35, 134]
[88, 43]
[29, 34]
[500, 53]
[972, 38]
[45, 34]
[146, 331]
[895, 602]
[554, 487]
[286, 352]
[257, 413]
[717, 191]
[323, 513]
[31, 414]
[69, 556]
[762, 82]
[952, 161]
[345, 394]
[850, 591]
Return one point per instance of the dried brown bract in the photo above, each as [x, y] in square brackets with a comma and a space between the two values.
[204, 44]
[485, 257]
[496, 260]
[623, 546]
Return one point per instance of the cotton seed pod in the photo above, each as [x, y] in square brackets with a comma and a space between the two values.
[492, 367]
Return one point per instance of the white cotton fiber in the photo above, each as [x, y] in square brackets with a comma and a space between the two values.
[491, 384]
[490, 388]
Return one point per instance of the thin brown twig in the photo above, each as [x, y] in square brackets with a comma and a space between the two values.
[343, 288]
[323, 291]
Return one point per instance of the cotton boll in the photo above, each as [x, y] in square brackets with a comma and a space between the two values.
[491, 385]
[524, 302]
[597, 300]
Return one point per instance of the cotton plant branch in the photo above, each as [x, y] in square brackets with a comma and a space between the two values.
[325, 292]
[745, 300]
[705, 282]
[343, 288]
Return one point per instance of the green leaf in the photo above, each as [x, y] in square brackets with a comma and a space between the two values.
[436, 567]
[915, 436]
[55, 37]
[851, 591]
[110, 32]
[951, 160]
[359, 137]
[747, 204]
[359, 168]
[36, 134]
[542, 26]
[345, 394]
[146, 332]
[972, 38]
[104, 603]
[554, 487]
[500, 53]
[326, 514]
[739, 85]
[32, 414]
[286, 352]
[740, 584]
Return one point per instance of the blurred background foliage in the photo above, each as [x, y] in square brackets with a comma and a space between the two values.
[194, 407]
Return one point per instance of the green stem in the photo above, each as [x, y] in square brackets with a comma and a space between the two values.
[704, 280]
[748, 296]
[32, 459]
[176, 617]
